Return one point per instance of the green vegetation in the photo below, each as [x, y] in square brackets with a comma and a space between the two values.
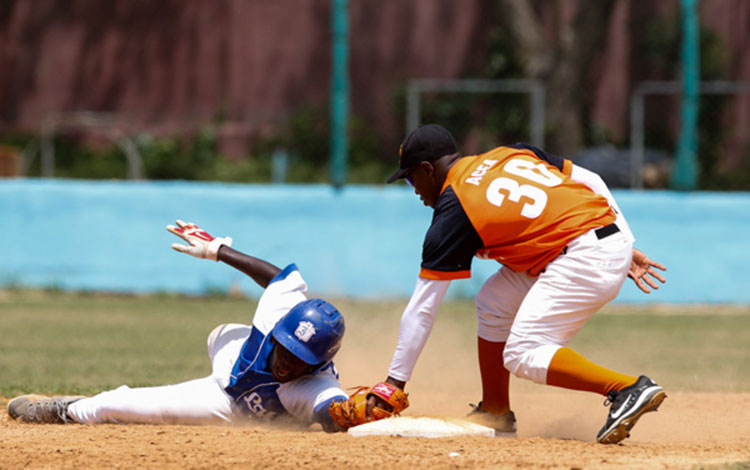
[60, 343]
[479, 121]
[659, 51]
[702, 350]
[63, 343]
[304, 137]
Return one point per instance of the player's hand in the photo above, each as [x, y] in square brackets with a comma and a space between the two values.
[642, 271]
[355, 410]
[201, 243]
[375, 401]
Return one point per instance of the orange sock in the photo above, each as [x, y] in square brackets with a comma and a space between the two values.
[568, 369]
[495, 377]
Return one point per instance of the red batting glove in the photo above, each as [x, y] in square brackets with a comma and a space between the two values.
[202, 244]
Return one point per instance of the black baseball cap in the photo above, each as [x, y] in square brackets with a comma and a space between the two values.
[426, 143]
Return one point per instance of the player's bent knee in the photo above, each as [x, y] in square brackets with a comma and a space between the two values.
[211, 342]
[517, 362]
[227, 334]
[493, 326]
[527, 360]
[511, 359]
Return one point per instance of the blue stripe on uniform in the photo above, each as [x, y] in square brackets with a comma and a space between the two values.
[284, 273]
[322, 416]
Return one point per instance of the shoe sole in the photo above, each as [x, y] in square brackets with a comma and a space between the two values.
[18, 405]
[622, 429]
[486, 419]
[20, 402]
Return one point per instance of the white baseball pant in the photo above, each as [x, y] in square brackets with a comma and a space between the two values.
[536, 316]
[198, 401]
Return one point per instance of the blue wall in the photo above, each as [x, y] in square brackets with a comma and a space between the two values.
[364, 241]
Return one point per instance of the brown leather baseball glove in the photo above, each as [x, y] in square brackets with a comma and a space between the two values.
[353, 411]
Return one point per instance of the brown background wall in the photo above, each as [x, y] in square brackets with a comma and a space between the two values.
[173, 65]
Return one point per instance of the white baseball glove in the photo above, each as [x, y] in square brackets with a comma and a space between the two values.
[202, 244]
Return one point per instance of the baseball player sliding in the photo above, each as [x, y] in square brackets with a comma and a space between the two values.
[281, 365]
[565, 250]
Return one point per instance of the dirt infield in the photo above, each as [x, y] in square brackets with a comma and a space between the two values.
[556, 427]
[690, 430]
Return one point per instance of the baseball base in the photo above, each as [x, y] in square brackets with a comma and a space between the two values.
[421, 427]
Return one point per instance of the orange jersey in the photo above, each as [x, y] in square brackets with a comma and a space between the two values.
[516, 205]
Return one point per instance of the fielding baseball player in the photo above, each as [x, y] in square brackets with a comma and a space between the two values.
[565, 250]
[281, 365]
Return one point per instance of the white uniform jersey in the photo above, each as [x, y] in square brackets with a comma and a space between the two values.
[251, 383]
[239, 386]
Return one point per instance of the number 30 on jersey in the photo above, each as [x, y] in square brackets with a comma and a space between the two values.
[503, 188]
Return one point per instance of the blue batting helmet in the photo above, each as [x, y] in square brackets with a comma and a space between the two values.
[312, 331]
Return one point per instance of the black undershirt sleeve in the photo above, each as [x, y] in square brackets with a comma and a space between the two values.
[451, 241]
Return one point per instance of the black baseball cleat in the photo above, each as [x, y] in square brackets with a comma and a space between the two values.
[504, 424]
[40, 409]
[628, 405]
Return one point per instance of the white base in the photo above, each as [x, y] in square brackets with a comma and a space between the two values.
[421, 427]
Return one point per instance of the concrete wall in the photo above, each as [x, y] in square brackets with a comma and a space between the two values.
[364, 241]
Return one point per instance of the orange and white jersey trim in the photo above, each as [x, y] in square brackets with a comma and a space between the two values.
[514, 204]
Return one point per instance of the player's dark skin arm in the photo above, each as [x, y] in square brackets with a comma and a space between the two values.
[398, 383]
[260, 271]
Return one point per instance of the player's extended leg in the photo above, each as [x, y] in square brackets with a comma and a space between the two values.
[572, 288]
[495, 377]
[569, 369]
[497, 303]
[199, 401]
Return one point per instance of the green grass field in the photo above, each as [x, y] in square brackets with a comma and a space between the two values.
[60, 343]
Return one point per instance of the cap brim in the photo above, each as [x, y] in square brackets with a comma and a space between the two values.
[397, 175]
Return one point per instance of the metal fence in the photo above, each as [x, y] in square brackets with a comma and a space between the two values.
[535, 88]
[108, 125]
[637, 110]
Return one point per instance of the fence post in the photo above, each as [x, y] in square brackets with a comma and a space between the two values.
[339, 92]
[685, 174]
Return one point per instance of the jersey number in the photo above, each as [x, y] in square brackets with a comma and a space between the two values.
[536, 172]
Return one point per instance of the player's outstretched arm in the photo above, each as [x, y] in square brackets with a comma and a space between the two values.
[201, 244]
[642, 271]
[205, 246]
[259, 270]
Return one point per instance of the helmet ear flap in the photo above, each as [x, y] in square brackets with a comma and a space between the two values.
[312, 330]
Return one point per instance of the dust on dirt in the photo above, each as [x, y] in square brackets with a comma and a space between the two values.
[556, 428]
